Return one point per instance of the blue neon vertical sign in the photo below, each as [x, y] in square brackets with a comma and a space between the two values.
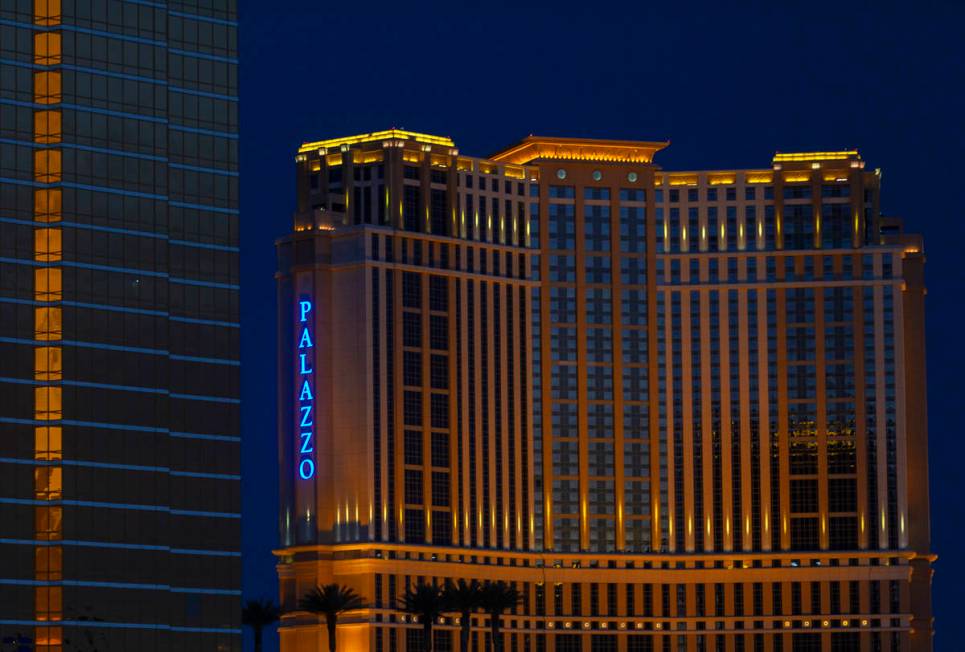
[305, 363]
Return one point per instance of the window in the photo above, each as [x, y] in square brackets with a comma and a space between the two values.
[47, 88]
[440, 449]
[439, 370]
[410, 208]
[413, 447]
[413, 487]
[439, 405]
[412, 368]
[415, 530]
[439, 332]
[804, 534]
[438, 293]
[412, 408]
[411, 329]
[440, 488]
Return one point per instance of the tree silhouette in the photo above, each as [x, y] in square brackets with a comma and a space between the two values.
[331, 600]
[464, 598]
[259, 614]
[425, 601]
[497, 598]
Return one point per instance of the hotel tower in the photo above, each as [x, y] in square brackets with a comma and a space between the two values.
[119, 398]
[682, 411]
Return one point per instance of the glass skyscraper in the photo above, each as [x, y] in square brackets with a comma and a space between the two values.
[119, 357]
[681, 410]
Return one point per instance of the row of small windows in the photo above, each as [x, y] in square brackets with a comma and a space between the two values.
[693, 195]
[443, 255]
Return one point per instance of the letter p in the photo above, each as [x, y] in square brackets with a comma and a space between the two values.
[305, 307]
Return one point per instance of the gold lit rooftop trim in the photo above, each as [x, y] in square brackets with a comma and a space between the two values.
[579, 149]
[798, 157]
[397, 134]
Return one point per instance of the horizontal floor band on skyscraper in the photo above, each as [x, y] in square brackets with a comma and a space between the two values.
[133, 586]
[122, 546]
[98, 624]
[121, 467]
[123, 506]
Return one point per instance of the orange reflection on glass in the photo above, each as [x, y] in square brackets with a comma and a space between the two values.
[48, 363]
[48, 403]
[49, 603]
[48, 205]
[49, 639]
[47, 12]
[48, 563]
[48, 443]
[48, 324]
[48, 483]
[48, 126]
[49, 523]
[48, 246]
[47, 48]
[47, 284]
[48, 87]
[48, 165]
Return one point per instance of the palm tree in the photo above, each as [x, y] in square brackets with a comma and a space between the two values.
[259, 614]
[331, 600]
[426, 602]
[465, 598]
[497, 598]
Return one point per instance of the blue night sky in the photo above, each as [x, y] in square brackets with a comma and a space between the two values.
[727, 86]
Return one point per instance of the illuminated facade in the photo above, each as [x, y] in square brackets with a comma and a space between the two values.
[681, 410]
[119, 399]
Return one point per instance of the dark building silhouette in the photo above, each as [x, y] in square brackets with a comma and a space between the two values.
[119, 358]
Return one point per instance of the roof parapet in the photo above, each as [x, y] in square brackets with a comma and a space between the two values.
[534, 148]
[808, 157]
[388, 134]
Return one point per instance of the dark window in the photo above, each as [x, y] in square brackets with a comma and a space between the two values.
[439, 370]
[804, 534]
[437, 212]
[441, 536]
[413, 487]
[415, 530]
[439, 332]
[440, 489]
[411, 290]
[411, 329]
[440, 449]
[438, 293]
[410, 208]
[413, 447]
[413, 408]
[804, 496]
[412, 368]
[440, 410]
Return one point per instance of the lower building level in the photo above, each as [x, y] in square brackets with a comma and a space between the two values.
[785, 602]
